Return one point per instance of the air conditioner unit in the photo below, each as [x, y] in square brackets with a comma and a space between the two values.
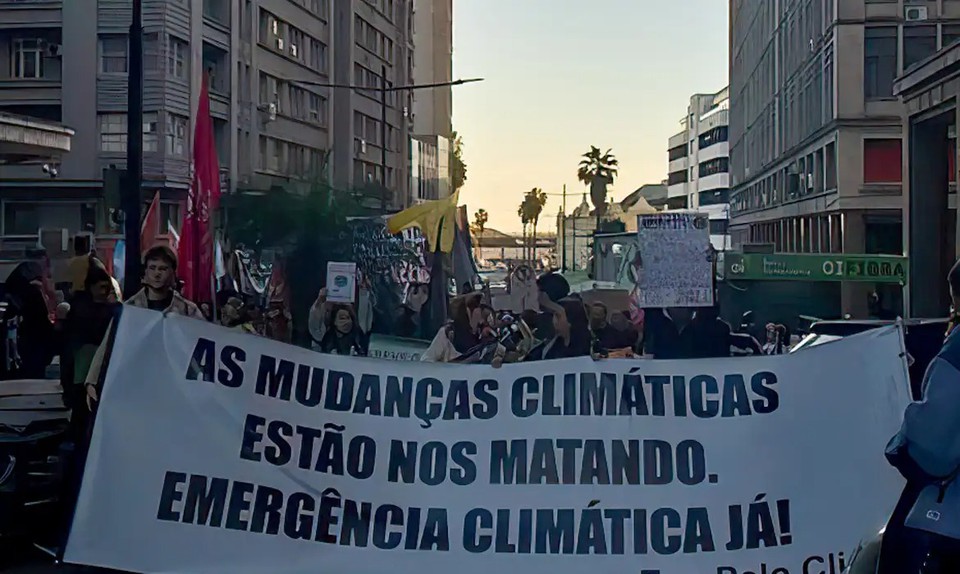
[54, 50]
[272, 111]
[293, 50]
[280, 44]
[914, 13]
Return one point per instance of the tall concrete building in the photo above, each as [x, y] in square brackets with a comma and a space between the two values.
[66, 61]
[815, 129]
[373, 46]
[698, 156]
[433, 64]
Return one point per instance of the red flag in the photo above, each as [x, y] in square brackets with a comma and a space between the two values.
[151, 224]
[196, 238]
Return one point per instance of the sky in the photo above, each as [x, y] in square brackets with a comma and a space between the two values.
[555, 84]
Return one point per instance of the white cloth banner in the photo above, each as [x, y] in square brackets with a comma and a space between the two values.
[215, 451]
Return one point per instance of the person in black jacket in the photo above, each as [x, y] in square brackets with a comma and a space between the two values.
[572, 336]
[37, 340]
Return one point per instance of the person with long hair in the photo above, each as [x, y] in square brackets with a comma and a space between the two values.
[572, 336]
[343, 335]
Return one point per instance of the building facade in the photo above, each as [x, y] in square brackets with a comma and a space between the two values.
[698, 156]
[930, 92]
[267, 62]
[815, 129]
[433, 64]
[373, 47]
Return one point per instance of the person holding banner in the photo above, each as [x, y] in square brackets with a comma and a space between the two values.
[158, 294]
[924, 531]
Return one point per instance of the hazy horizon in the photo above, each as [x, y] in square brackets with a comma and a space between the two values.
[554, 86]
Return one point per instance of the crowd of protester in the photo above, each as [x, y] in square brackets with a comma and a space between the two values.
[78, 327]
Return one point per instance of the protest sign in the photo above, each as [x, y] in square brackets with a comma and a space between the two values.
[341, 282]
[672, 265]
[217, 452]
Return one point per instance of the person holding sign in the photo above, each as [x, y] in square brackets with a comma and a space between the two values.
[343, 335]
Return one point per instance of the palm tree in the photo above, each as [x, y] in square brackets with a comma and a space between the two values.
[598, 170]
[480, 219]
[534, 201]
[522, 214]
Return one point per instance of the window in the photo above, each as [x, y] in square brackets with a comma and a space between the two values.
[951, 33]
[20, 218]
[678, 152]
[918, 43]
[677, 177]
[714, 136]
[151, 135]
[882, 161]
[879, 62]
[318, 109]
[263, 152]
[169, 216]
[176, 135]
[113, 133]
[719, 226]
[715, 196]
[27, 58]
[714, 166]
[318, 56]
[177, 58]
[113, 54]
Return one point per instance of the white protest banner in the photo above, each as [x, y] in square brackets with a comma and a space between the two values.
[341, 282]
[672, 266]
[218, 452]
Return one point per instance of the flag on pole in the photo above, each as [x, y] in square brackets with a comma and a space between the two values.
[150, 225]
[197, 237]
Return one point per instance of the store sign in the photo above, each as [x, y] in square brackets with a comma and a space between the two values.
[803, 267]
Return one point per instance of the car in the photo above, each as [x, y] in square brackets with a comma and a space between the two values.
[33, 430]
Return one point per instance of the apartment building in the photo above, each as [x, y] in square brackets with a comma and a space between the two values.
[698, 156]
[373, 47]
[815, 129]
[267, 61]
[433, 64]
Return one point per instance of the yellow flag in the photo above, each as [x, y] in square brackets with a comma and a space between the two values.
[429, 216]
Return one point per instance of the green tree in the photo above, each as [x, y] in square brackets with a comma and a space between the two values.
[309, 228]
[480, 219]
[598, 170]
[458, 168]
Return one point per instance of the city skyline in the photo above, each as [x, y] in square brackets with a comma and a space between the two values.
[511, 142]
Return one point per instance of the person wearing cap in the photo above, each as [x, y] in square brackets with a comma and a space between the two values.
[926, 451]
[158, 293]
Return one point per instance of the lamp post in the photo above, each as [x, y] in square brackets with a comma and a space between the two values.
[130, 198]
[383, 90]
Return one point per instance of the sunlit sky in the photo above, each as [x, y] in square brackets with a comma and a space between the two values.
[561, 75]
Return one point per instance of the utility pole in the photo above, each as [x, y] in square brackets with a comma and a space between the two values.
[563, 231]
[383, 139]
[131, 199]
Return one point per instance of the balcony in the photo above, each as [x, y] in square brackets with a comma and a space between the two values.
[715, 181]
